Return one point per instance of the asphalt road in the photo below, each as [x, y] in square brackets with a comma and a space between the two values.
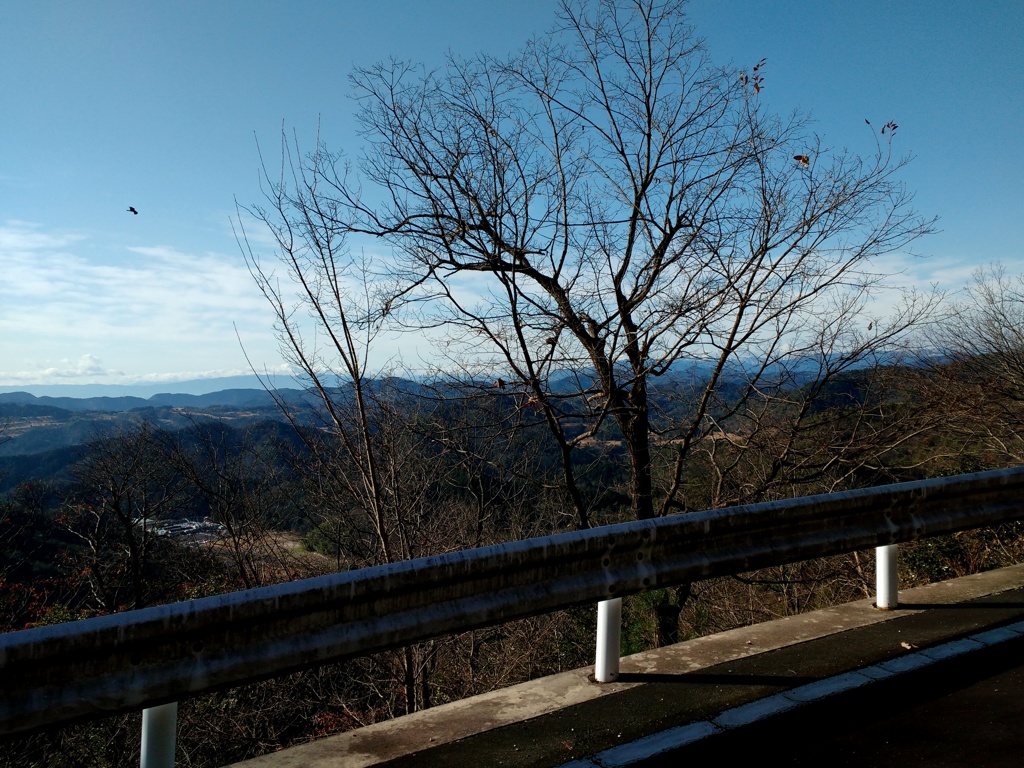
[963, 712]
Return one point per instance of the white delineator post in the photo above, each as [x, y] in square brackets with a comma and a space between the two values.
[609, 632]
[886, 581]
[159, 732]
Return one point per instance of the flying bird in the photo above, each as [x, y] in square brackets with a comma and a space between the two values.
[804, 160]
[132, 209]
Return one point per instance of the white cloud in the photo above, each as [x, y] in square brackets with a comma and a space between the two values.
[87, 366]
[280, 371]
[143, 309]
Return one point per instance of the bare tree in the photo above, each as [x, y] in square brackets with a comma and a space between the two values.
[979, 377]
[605, 209]
[371, 477]
[239, 479]
[333, 296]
[122, 483]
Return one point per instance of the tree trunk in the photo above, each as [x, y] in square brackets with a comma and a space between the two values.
[636, 429]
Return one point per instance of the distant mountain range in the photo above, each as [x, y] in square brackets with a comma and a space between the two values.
[235, 398]
[146, 390]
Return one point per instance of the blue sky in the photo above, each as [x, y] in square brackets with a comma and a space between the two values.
[158, 106]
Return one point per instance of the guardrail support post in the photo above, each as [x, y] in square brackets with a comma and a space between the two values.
[609, 636]
[886, 580]
[159, 731]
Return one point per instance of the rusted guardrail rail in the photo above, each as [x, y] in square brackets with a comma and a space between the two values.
[87, 669]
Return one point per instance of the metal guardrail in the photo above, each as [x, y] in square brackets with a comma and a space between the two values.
[54, 675]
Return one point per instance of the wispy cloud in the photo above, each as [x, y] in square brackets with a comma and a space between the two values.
[144, 309]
